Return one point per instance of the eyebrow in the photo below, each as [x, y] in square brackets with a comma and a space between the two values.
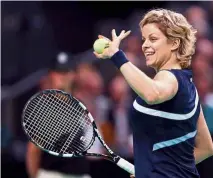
[149, 35]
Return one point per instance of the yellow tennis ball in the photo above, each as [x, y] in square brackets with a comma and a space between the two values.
[99, 45]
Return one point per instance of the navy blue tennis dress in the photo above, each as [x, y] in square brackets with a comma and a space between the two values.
[164, 134]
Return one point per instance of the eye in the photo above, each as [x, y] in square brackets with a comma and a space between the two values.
[153, 39]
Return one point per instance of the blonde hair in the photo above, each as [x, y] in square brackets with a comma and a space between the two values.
[174, 26]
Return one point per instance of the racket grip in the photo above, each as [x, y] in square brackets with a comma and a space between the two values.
[127, 166]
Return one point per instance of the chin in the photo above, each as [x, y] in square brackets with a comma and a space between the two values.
[149, 63]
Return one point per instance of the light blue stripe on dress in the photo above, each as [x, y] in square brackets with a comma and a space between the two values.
[172, 142]
[167, 115]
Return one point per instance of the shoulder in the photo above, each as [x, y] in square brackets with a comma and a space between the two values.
[166, 76]
[168, 82]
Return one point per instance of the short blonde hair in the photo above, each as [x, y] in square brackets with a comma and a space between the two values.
[174, 26]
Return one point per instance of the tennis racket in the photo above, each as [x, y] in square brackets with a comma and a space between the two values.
[61, 125]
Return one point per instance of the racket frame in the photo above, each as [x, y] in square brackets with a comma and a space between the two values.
[111, 157]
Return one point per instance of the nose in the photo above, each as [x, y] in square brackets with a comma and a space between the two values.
[145, 45]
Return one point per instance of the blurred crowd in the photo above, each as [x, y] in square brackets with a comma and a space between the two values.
[107, 95]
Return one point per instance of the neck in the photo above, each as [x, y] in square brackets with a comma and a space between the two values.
[169, 64]
[168, 67]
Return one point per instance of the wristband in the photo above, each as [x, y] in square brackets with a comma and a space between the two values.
[119, 58]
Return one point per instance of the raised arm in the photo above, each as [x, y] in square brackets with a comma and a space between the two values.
[203, 141]
[162, 88]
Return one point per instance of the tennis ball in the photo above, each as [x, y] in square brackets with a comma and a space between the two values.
[99, 45]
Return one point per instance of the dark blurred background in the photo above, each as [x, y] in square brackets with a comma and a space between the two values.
[34, 33]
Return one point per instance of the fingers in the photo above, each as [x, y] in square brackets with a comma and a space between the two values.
[114, 36]
[123, 34]
[97, 55]
[101, 56]
[101, 36]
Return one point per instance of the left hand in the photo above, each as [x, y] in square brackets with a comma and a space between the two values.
[113, 45]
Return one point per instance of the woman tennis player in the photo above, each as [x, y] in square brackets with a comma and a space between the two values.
[170, 134]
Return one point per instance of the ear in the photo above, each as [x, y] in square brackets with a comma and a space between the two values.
[175, 44]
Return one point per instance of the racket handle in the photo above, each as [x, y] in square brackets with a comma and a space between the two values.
[122, 163]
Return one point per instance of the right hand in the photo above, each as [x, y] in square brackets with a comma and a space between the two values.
[132, 176]
[113, 44]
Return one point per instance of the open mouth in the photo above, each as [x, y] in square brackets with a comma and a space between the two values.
[149, 54]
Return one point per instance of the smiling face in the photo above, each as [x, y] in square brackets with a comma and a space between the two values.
[156, 46]
[169, 40]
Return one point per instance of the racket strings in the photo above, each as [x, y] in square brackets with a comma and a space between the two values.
[75, 108]
[46, 116]
[41, 130]
[53, 132]
[33, 125]
[71, 138]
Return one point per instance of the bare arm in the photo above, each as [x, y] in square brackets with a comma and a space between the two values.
[203, 141]
[162, 88]
[33, 157]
